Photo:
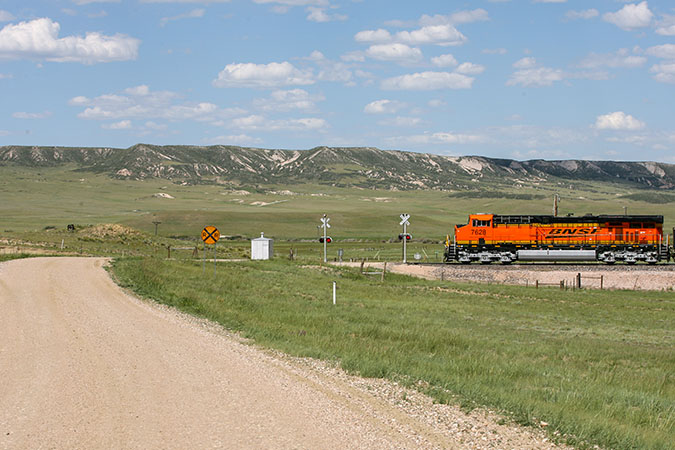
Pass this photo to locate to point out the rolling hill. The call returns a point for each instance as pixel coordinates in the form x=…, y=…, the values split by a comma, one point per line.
x=354, y=167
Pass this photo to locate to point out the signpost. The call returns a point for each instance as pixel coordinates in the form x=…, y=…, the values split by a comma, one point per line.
x=325, y=225
x=404, y=221
x=210, y=235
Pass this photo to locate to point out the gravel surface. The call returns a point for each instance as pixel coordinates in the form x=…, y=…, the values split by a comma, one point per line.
x=85, y=365
x=642, y=277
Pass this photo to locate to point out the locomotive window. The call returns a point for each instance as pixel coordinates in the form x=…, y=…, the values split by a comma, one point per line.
x=648, y=225
x=635, y=225
x=480, y=223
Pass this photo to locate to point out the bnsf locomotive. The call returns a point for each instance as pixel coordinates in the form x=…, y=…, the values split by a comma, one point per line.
x=490, y=237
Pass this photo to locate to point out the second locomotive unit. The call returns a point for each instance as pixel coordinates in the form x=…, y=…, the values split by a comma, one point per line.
x=490, y=238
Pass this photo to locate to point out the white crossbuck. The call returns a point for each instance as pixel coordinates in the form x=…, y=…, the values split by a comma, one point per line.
x=404, y=219
x=324, y=222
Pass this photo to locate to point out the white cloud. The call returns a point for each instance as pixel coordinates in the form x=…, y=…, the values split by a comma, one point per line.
x=121, y=125
x=394, y=52
x=525, y=63
x=542, y=76
x=460, y=17
x=618, y=121
x=446, y=60
x=383, y=107
x=630, y=16
x=262, y=75
x=665, y=73
x=443, y=35
x=530, y=75
x=425, y=81
x=332, y=70
x=27, y=115
x=287, y=100
x=373, y=36
x=666, y=51
x=320, y=15
x=666, y=26
x=583, y=14
x=194, y=14
x=468, y=68
x=621, y=58
x=257, y=122
x=38, y=39
x=6, y=16
x=141, y=103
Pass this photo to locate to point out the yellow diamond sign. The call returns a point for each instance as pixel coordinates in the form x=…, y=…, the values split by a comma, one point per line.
x=210, y=235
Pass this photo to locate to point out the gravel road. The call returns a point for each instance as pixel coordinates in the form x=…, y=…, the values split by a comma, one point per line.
x=639, y=277
x=85, y=365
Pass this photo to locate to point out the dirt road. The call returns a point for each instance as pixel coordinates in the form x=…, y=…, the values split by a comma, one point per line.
x=639, y=277
x=84, y=365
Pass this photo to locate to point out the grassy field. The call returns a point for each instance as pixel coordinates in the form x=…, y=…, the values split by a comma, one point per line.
x=38, y=198
x=596, y=365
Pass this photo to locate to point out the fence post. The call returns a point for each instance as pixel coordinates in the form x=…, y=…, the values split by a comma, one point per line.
x=579, y=280
x=168, y=248
x=601, y=281
x=362, y=261
x=536, y=284
x=562, y=285
x=384, y=270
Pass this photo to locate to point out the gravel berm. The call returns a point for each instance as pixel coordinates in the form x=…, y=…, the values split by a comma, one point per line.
x=85, y=365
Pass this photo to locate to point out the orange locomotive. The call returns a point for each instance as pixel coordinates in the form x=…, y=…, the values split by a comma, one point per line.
x=491, y=237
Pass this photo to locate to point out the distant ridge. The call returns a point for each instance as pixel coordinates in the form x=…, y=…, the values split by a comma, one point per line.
x=364, y=167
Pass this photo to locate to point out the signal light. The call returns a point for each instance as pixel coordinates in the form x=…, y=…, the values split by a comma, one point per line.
x=407, y=236
x=328, y=240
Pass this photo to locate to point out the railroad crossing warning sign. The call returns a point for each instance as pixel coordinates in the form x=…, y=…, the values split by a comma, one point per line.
x=404, y=219
x=210, y=235
x=324, y=222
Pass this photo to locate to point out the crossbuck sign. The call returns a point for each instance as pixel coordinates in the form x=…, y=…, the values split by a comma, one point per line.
x=404, y=221
x=325, y=225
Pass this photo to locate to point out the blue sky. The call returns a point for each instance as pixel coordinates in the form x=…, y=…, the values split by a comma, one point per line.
x=521, y=79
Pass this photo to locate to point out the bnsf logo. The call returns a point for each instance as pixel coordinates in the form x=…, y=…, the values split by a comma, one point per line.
x=571, y=232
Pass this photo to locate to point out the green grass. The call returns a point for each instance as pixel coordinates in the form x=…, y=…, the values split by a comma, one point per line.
x=85, y=198
x=596, y=365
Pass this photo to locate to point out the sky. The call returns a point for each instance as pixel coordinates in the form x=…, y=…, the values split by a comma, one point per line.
x=519, y=79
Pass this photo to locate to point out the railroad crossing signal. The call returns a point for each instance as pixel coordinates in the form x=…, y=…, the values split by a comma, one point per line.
x=210, y=235
x=325, y=239
x=405, y=236
x=404, y=219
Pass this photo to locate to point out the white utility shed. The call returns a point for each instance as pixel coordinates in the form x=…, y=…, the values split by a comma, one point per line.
x=262, y=247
